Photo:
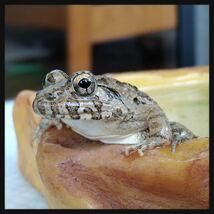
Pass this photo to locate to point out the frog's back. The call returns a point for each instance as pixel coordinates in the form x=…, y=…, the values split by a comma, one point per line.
x=130, y=94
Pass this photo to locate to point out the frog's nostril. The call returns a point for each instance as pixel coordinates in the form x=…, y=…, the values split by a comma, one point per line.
x=50, y=96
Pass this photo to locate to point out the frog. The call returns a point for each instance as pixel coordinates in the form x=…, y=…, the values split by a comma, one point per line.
x=104, y=109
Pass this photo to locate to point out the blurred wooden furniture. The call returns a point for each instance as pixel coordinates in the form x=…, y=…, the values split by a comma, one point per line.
x=87, y=25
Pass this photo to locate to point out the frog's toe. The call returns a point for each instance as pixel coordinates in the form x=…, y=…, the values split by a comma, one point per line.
x=140, y=148
x=58, y=125
x=128, y=150
x=173, y=148
x=140, y=152
x=174, y=145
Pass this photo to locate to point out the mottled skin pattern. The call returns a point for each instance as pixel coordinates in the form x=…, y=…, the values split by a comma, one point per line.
x=105, y=109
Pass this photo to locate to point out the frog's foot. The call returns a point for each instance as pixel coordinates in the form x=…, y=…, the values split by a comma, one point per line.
x=178, y=140
x=174, y=145
x=179, y=134
x=43, y=126
x=149, y=143
x=180, y=137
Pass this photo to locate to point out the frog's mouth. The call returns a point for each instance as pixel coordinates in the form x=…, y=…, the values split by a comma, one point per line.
x=73, y=109
x=38, y=108
x=55, y=109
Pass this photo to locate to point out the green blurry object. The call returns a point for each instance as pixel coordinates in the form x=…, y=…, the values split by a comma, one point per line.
x=22, y=75
x=15, y=69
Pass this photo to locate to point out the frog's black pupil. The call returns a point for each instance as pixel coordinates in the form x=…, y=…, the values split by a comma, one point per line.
x=84, y=83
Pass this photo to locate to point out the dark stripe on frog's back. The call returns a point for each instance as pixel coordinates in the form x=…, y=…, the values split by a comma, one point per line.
x=108, y=81
x=130, y=86
x=132, y=94
x=135, y=92
x=117, y=88
x=103, y=80
x=146, y=97
x=143, y=99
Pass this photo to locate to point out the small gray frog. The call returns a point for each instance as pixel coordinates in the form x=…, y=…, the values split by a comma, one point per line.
x=102, y=108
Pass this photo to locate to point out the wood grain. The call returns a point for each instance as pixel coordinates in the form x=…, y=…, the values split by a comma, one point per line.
x=79, y=45
x=122, y=21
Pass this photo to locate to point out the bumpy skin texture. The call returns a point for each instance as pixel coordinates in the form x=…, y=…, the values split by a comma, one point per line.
x=102, y=108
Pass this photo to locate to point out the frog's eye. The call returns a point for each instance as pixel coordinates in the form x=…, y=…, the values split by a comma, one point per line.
x=54, y=77
x=84, y=83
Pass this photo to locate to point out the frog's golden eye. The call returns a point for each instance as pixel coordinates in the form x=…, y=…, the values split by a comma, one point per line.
x=54, y=77
x=84, y=83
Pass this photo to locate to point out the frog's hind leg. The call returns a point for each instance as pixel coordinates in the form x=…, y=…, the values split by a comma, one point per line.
x=179, y=134
x=146, y=143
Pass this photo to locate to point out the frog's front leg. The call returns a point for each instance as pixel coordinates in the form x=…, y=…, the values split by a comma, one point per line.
x=159, y=133
x=43, y=126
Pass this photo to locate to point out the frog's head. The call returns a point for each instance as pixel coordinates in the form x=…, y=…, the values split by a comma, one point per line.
x=81, y=96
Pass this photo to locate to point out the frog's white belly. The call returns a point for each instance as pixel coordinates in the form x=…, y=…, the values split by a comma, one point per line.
x=127, y=139
x=98, y=130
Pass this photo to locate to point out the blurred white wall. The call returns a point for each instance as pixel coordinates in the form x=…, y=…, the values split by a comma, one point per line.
x=201, y=30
